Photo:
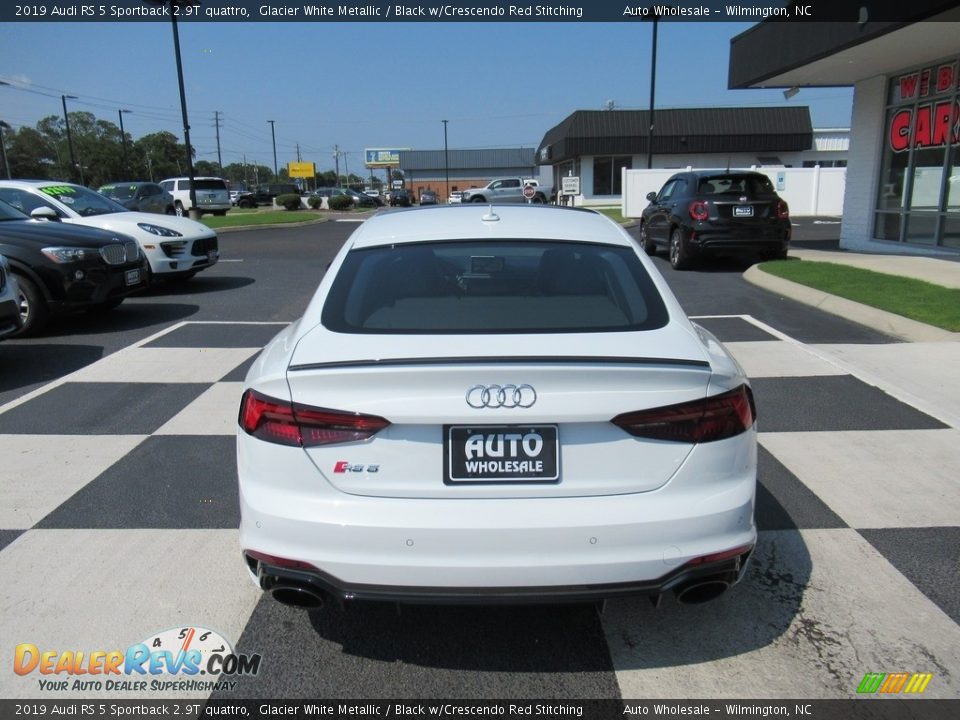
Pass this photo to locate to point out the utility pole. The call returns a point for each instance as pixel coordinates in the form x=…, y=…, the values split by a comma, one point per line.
x=66, y=121
x=216, y=120
x=3, y=148
x=446, y=160
x=298, y=153
x=123, y=138
x=276, y=175
x=336, y=160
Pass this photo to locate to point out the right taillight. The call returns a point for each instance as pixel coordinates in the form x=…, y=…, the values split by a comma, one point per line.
x=698, y=421
x=286, y=423
x=783, y=210
x=698, y=210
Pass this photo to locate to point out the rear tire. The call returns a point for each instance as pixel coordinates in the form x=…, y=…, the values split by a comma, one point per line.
x=648, y=245
x=178, y=209
x=679, y=254
x=34, y=312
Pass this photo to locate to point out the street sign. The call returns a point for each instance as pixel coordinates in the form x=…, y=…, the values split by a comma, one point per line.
x=570, y=186
x=529, y=191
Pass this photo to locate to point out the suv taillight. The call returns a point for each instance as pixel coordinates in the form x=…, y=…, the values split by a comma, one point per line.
x=285, y=423
x=713, y=418
x=698, y=210
x=783, y=210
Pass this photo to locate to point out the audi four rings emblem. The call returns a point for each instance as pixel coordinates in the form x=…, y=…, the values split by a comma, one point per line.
x=501, y=396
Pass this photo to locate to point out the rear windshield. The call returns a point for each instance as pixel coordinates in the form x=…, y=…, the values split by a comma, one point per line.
x=119, y=192
x=750, y=185
x=205, y=184
x=487, y=286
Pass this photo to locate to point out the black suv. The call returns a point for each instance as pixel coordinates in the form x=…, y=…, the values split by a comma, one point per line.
x=63, y=268
x=265, y=194
x=729, y=212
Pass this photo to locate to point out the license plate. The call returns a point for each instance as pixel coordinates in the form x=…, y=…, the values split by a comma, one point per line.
x=743, y=211
x=501, y=454
x=132, y=277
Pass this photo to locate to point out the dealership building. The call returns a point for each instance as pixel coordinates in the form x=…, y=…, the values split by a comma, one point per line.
x=430, y=169
x=903, y=167
x=596, y=145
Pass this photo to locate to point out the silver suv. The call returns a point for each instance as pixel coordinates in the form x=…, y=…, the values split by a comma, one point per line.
x=213, y=195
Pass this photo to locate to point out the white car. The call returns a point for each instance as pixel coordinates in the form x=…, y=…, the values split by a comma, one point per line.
x=175, y=247
x=495, y=405
x=456, y=196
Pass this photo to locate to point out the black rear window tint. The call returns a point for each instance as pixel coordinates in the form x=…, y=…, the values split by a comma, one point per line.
x=750, y=185
x=205, y=185
x=482, y=286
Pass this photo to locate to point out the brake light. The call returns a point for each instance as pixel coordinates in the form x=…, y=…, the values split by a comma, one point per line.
x=720, y=556
x=698, y=210
x=713, y=418
x=285, y=423
x=783, y=210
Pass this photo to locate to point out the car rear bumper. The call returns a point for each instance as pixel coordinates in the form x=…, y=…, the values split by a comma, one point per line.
x=764, y=239
x=506, y=549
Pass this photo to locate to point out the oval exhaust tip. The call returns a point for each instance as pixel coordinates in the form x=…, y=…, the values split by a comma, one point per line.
x=296, y=596
x=701, y=592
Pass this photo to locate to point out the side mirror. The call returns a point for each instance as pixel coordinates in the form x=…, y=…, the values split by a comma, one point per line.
x=651, y=196
x=45, y=213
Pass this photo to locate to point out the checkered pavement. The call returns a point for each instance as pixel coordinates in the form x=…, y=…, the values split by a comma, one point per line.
x=118, y=517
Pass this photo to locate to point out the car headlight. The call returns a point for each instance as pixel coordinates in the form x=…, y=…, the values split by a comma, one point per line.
x=159, y=230
x=69, y=254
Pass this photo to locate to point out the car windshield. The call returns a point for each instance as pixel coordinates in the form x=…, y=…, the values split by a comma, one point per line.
x=8, y=212
x=82, y=201
x=751, y=185
x=119, y=192
x=483, y=286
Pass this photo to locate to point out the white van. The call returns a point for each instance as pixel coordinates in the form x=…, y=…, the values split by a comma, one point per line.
x=213, y=195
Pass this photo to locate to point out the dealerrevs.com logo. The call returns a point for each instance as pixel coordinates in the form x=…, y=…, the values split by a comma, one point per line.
x=179, y=659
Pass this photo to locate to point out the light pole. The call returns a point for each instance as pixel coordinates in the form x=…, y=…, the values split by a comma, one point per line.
x=446, y=160
x=273, y=135
x=3, y=148
x=123, y=137
x=654, y=17
x=66, y=121
x=194, y=211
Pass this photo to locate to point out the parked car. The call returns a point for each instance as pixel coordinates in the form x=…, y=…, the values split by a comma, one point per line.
x=359, y=199
x=428, y=197
x=716, y=212
x=212, y=193
x=140, y=197
x=400, y=198
x=472, y=391
x=61, y=268
x=9, y=300
x=175, y=247
x=265, y=194
x=456, y=196
x=508, y=190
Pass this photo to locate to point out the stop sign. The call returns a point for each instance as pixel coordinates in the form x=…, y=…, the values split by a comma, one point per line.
x=529, y=191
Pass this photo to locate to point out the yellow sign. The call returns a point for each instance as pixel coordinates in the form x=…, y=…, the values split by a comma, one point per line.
x=301, y=169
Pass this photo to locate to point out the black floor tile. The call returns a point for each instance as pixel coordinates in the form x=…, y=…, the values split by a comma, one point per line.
x=8, y=536
x=785, y=503
x=734, y=329
x=217, y=335
x=837, y=402
x=175, y=481
x=100, y=408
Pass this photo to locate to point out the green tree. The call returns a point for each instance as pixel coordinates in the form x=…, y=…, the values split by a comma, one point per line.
x=159, y=155
x=32, y=155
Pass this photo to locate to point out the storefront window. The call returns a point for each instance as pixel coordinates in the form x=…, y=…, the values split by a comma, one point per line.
x=607, y=178
x=917, y=190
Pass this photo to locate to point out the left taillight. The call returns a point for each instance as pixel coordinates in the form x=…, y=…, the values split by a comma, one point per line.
x=783, y=210
x=297, y=425
x=699, y=421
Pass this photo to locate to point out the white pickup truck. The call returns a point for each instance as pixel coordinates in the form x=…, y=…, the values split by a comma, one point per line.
x=507, y=190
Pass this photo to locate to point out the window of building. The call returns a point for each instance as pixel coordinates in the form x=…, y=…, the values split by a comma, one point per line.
x=916, y=200
x=607, y=178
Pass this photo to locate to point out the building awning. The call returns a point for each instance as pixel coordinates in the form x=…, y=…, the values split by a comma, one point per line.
x=678, y=131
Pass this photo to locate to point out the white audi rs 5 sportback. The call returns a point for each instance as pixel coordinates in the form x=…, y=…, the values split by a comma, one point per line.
x=495, y=404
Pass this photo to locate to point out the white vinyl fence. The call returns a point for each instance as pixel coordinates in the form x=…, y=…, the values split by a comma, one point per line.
x=808, y=191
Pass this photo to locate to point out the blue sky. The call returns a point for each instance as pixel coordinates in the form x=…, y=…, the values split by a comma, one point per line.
x=370, y=84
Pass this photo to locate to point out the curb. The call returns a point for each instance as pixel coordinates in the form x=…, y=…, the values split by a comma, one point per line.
x=243, y=228
x=886, y=322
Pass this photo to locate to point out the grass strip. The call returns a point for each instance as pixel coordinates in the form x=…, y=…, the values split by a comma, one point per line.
x=239, y=218
x=613, y=213
x=915, y=299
